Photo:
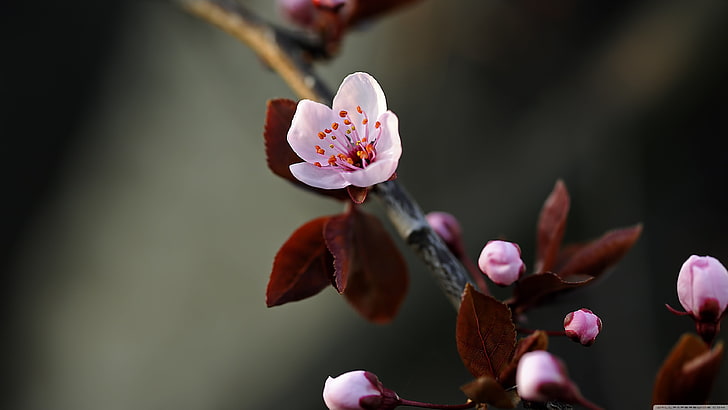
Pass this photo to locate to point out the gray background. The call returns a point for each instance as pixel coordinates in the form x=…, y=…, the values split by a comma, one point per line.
x=140, y=221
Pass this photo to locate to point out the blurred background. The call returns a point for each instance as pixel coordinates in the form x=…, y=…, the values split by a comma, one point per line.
x=139, y=220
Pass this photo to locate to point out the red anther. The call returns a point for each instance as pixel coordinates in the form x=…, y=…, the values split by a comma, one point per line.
x=358, y=109
x=377, y=124
x=370, y=148
x=335, y=125
x=319, y=150
x=365, y=139
x=343, y=113
x=350, y=161
x=321, y=135
x=364, y=121
x=318, y=164
x=328, y=131
x=332, y=160
x=347, y=122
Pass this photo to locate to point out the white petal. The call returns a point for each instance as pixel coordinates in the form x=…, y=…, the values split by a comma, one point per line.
x=379, y=171
x=389, y=145
x=310, y=119
x=326, y=178
x=363, y=90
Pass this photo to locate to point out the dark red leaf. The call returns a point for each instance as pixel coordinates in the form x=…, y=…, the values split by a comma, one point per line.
x=538, y=340
x=302, y=267
x=377, y=282
x=485, y=334
x=534, y=289
x=688, y=372
x=279, y=155
x=551, y=226
x=339, y=237
x=486, y=389
x=278, y=117
x=595, y=257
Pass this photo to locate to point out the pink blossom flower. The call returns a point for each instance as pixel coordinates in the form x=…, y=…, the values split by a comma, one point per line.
x=358, y=390
x=542, y=377
x=501, y=261
x=356, y=142
x=582, y=326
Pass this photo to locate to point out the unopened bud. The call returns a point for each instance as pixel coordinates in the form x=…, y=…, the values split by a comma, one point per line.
x=702, y=288
x=300, y=12
x=358, y=390
x=501, y=261
x=334, y=5
x=447, y=227
x=582, y=326
x=542, y=377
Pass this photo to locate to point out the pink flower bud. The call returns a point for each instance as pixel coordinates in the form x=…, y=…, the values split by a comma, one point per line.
x=542, y=377
x=358, y=390
x=300, y=12
x=330, y=4
x=582, y=326
x=702, y=287
x=448, y=229
x=501, y=261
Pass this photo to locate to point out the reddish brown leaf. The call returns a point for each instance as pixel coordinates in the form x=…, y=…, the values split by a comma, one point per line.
x=538, y=340
x=377, y=282
x=486, y=389
x=302, y=267
x=595, y=257
x=534, y=289
x=485, y=334
x=279, y=155
x=339, y=238
x=688, y=372
x=551, y=226
x=278, y=117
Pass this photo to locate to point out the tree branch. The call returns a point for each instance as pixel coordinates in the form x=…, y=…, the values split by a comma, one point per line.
x=288, y=57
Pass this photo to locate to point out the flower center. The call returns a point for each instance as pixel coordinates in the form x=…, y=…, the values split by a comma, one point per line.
x=343, y=146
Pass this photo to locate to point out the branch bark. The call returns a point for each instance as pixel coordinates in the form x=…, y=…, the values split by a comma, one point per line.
x=287, y=56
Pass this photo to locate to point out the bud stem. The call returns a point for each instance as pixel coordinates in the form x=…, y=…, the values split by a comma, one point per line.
x=468, y=405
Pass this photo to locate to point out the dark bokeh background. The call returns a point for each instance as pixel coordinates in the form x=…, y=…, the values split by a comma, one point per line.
x=139, y=221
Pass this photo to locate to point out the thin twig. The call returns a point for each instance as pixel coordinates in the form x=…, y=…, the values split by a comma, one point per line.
x=287, y=57
x=278, y=49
